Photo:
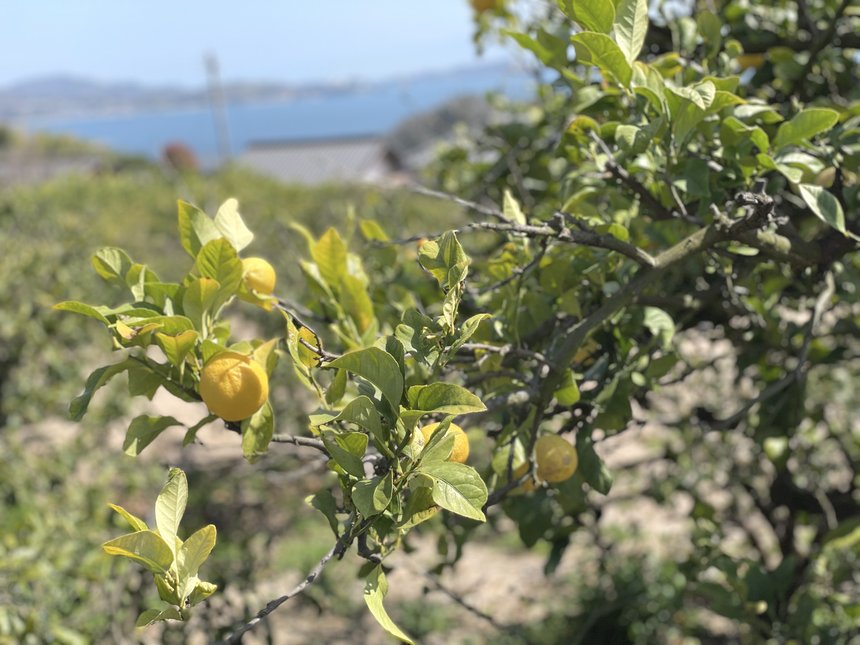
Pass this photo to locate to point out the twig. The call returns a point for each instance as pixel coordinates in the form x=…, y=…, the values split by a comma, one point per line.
x=337, y=550
x=583, y=237
x=319, y=351
x=465, y=604
x=505, y=350
x=308, y=442
x=465, y=203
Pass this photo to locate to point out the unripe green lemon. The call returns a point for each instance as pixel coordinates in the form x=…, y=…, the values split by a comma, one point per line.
x=460, y=451
x=233, y=386
x=556, y=459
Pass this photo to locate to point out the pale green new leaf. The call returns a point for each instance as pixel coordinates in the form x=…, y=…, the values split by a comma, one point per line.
x=151, y=616
x=512, y=209
x=330, y=255
x=805, y=125
x=591, y=15
x=231, y=225
x=660, y=324
x=631, y=25
x=170, y=506
x=134, y=522
x=824, y=205
x=194, y=552
x=218, y=260
x=83, y=309
x=375, y=589
x=196, y=228
x=146, y=547
x=601, y=51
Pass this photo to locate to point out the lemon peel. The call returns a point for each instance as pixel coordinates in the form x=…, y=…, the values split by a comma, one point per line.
x=258, y=275
x=556, y=459
x=460, y=452
x=233, y=385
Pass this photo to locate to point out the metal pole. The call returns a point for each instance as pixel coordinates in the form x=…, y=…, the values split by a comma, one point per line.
x=219, y=110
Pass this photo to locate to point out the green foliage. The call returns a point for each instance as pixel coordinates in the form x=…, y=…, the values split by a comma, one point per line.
x=173, y=562
x=658, y=196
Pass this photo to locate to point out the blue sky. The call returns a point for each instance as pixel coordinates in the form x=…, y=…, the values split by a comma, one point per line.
x=163, y=42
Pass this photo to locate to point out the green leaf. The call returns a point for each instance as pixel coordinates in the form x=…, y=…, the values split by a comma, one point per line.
x=356, y=302
x=660, y=324
x=170, y=506
x=143, y=430
x=375, y=589
x=194, y=552
x=824, y=205
x=549, y=49
x=372, y=496
x=229, y=223
x=99, y=378
x=377, y=366
x=326, y=504
x=568, y=392
x=346, y=450
x=83, y=309
x=112, y=264
x=257, y=433
x=591, y=467
x=631, y=25
x=601, y=51
x=151, y=616
x=330, y=255
x=805, y=125
x=196, y=228
x=359, y=411
x=445, y=260
x=218, y=260
x=176, y=348
x=591, y=15
x=457, y=488
x=143, y=382
x=794, y=175
x=512, y=209
x=444, y=398
x=199, y=299
x=146, y=547
x=202, y=590
x=134, y=522
x=467, y=330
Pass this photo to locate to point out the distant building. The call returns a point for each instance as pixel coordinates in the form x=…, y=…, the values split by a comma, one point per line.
x=361, y=159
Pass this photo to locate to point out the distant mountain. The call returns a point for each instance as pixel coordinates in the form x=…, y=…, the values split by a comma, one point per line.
x=61, y=95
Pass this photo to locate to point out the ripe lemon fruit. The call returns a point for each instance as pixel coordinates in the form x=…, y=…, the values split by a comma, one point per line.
x=258, y=275
x=460, y=452
x=233, y=386
x=556, y=459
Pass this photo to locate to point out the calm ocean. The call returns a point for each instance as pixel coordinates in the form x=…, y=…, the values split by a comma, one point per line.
x=374, y=111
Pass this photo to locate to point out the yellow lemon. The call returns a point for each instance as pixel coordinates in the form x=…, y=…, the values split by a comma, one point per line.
x=233, y=385
x=460, y=453
x=556, y=459
x=258, y=275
